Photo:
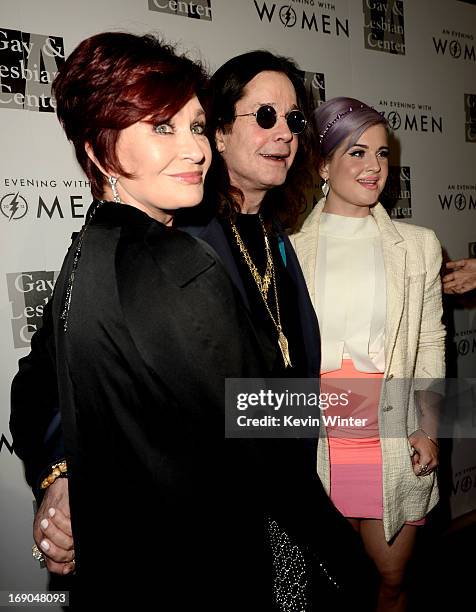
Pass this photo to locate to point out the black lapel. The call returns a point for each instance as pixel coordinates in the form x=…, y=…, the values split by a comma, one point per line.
x=309, y=324
x=213, y=234
x=185, y=258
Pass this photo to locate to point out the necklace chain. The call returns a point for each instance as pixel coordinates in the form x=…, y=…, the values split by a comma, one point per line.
x=263, y=282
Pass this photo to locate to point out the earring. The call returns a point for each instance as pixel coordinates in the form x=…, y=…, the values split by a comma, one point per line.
x=113, y=181
x=325, y=188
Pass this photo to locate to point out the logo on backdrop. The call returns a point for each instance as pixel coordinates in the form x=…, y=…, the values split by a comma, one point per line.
x=472, y=249
x=315, y=85
x=384, y=28
x=465, y=480
x=195, y=9
x=28, y=293
x=309, y=15
x=456, y=45
x=458, y=197
x=470, y=117
x=13, y=206
x=411, y=117
x=28, y=65
x=288, y=16
x=47, y=203
x=465, y=341
x=6, y=444
x=397, y=195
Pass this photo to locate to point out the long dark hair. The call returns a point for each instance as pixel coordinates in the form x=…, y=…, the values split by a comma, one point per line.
x=226, y=89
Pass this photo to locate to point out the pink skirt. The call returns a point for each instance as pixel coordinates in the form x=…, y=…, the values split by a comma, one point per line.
x=355, y=453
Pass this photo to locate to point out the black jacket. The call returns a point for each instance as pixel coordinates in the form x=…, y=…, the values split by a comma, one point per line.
x=153, y=329
x=142, y=415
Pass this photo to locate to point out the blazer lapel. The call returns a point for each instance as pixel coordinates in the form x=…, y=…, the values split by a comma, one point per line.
x=306, y=247
x=394, y=256
x=213, y=234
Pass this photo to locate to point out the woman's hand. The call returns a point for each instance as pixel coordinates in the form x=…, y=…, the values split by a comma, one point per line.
x=463, y=277
x=425, y=457
x=52, y=528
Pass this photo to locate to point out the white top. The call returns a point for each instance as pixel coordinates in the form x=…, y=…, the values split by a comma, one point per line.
x=350, y=293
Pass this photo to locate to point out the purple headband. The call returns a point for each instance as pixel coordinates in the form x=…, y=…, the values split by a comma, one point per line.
x=336, y=118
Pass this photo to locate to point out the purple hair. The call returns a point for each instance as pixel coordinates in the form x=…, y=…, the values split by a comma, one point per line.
x=341, y=119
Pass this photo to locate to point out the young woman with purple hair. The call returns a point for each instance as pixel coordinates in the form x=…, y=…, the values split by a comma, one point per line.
x=376, y=288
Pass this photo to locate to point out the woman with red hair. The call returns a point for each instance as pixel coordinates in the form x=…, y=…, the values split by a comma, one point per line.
x=145, y=328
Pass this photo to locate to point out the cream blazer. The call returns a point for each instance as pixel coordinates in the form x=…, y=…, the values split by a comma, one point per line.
x=414, y=349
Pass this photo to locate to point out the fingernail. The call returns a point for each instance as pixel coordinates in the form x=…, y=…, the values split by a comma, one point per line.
x=44, y=523
x=51, y=512
x=44, y=545
x=66, y=570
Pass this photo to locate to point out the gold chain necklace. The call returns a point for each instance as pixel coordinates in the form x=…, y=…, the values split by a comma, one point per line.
x=263, y=282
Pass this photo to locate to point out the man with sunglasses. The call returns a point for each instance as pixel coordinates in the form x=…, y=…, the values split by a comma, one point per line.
x=263, y=150
x=255, y=188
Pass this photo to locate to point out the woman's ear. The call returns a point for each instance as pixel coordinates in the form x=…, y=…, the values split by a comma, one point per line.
x=90, y=153
x=324, y=169
x=220, y=141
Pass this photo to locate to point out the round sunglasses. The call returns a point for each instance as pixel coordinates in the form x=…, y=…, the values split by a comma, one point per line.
x=266, y=117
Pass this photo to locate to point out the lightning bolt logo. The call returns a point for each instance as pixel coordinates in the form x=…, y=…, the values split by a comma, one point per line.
x=287, y=16
x=13, y=206
x=455, y=49
x=460, y=201
x=394, y=120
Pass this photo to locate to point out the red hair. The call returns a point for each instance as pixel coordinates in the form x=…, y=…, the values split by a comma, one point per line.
x=111, y=81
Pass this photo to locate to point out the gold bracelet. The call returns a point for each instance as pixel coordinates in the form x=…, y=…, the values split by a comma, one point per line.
x=58, y=470
x=430, y=438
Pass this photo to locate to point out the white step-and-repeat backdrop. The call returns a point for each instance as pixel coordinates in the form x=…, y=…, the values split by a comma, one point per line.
x=414, y=60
